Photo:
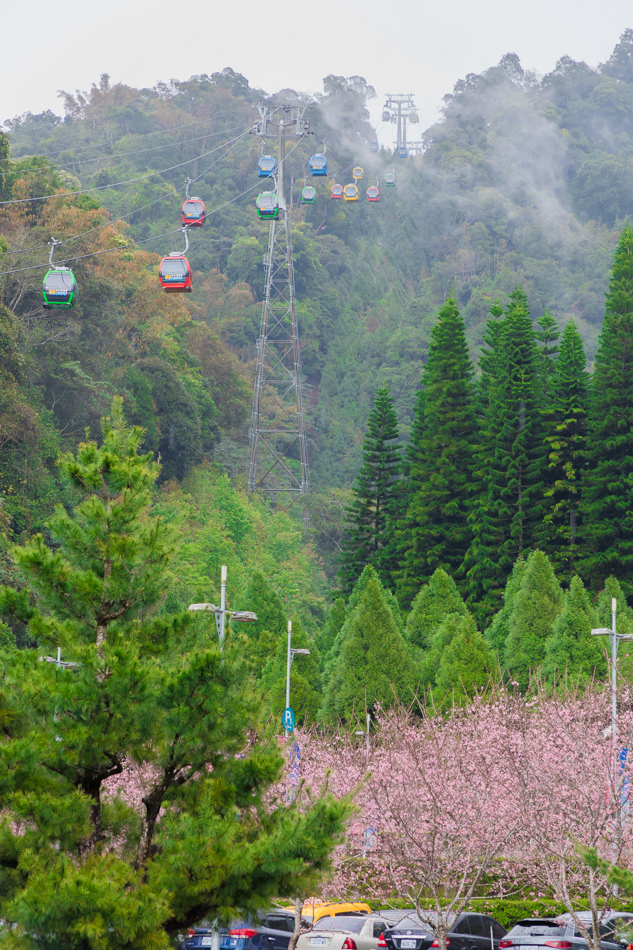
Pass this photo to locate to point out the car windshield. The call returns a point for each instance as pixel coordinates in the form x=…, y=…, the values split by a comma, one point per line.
x=352, y=924
x=60, y=282
x=412, y=921
x=538, y=928
x=173, y=268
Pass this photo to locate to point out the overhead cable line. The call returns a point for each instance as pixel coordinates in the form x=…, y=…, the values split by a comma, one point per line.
x=127, y=181
x=121, y=217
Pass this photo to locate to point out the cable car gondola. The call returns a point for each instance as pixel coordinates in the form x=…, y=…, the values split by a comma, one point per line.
x=267, y=205
x=350, y=192
x=337, y=191
x=403, y=151
x=357, y=173
x=266, y=166
x=193, y=213
x=308, y=195
x=373, y=146
x=174, y=274
x=373, y=193
x=390, y=179
x=58, y=288
x=59, y=285
x=318, y=165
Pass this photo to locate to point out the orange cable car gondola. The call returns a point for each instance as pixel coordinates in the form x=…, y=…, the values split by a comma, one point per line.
x=174, y=272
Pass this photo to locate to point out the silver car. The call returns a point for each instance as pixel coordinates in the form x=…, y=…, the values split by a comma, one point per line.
x=350, y=933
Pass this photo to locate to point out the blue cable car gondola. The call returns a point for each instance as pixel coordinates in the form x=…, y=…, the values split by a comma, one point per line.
x=373, y=146
x=337, y=191
x=318, y=165
x=266, y=166
x=373, y=193
x=390, y=179
x=403, y=151
x=308, y=195
x=267, y=205
x=350, y=192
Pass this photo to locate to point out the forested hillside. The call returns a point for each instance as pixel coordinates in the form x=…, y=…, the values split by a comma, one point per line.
x=513, y=210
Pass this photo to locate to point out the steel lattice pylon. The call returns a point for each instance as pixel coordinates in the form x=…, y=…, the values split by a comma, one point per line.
x=278, y=459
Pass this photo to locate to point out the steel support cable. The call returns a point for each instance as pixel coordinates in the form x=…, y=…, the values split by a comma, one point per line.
x=121, y=217
x=123, y=247
x=128, y=181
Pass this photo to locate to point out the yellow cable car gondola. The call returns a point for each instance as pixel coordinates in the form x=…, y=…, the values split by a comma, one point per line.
x=350, y=192
x=358, y=173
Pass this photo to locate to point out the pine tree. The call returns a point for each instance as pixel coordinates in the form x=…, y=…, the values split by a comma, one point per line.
x=538, y=603
x=566, y=433
x=510, y=464
x=498, y=631
x=571, y=650
x=369, y=515
x=374, y=664
x=435, y=531
x=547, y=336
x=262, y=637
x=430, y=607
x=150, y=695
x=467, y=665
x=607, y=500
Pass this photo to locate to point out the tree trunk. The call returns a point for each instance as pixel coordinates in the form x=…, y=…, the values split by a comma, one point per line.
x=296, y=933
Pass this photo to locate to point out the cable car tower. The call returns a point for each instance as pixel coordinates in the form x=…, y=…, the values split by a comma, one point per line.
x=277, y=456
x=399, y=108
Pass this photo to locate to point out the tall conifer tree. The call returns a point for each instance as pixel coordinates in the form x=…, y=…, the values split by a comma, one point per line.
x=369, y=516
x=607, y=502
x=511, y=460
x=565, y=436
x=435, y=531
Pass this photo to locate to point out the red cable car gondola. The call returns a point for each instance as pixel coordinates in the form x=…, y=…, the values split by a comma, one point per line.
x=174, y=274
x=373, y=194
x=193, y=212
x=337, y=191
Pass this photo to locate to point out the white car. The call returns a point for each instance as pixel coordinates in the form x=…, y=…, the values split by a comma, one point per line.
x=350, y=933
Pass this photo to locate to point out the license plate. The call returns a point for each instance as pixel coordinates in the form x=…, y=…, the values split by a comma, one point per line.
x=207, y=941
x=408, y=944
x=318, y=941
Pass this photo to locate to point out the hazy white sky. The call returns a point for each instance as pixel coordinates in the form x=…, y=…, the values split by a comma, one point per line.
x=412, y=46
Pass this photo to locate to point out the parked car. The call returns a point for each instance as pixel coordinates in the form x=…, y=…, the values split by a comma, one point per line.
x=267, y=931
x=314, y=910
x=562, y=933
x=358, y=932
x=467, y=932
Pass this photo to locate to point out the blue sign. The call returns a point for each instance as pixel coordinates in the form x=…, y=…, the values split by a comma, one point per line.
x=288, y=719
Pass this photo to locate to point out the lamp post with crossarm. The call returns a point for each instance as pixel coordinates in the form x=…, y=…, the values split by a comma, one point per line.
x=292, y=653
x=221, y=613
x=615, y=640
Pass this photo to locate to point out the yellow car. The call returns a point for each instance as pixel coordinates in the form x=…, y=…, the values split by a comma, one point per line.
x=314, y=910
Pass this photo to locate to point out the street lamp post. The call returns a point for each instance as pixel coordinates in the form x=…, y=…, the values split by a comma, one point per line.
x=221, y=613
x=615, y=641
x=290, y=657
x=365, y=732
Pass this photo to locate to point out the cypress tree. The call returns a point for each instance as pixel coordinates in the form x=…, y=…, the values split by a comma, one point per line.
x=466, y=666
x=566, y=434
x=435, y=531
x=511, y=462
x=374, y=493
x=538, y=603
x=571, y=650
x=498, y=631
x=431, y=605
x=374, y=663
x=607, y=503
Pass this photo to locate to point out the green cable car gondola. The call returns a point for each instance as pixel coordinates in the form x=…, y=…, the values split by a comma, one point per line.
x=59, y=288
x=308, y=195
x=390, y=179
x=267, y=205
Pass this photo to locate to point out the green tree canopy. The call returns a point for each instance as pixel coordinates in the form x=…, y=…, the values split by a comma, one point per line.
x=430, y=607
x=571, y=650
x=466, y=666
